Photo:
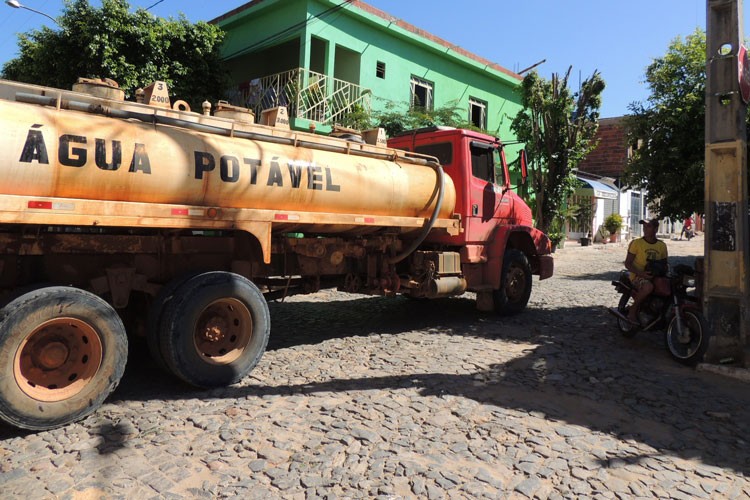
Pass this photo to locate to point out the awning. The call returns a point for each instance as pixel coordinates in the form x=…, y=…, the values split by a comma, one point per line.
x=601, y=190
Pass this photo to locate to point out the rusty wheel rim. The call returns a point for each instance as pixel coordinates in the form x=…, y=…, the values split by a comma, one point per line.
x=58, y=359
x=223, y=331
x=515, y=284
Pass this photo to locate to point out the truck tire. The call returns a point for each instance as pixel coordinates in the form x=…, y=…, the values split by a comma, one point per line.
x=62, y=352
x=155, y=315
x=215, y=329
x=515, y=284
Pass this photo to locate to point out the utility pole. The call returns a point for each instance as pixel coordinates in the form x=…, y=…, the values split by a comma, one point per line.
x=727, y=236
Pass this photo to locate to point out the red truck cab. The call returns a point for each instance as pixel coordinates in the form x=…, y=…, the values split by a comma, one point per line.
x=494, y=218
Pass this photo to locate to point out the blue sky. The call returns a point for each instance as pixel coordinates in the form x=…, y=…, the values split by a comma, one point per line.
x=618, y=38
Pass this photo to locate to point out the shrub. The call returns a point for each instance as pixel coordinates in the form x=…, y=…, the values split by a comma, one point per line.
x=613, y=223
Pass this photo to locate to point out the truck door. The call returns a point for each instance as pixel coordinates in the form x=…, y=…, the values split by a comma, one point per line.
x=488, y=204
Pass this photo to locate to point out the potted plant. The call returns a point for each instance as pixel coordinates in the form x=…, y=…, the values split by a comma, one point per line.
x=557, y=240
x=584, y=216
x=556, y=232
x=613, y=224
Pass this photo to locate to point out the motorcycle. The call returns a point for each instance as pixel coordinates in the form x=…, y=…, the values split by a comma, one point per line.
x=686, y=336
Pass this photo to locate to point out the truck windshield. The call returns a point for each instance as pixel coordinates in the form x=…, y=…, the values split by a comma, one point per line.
x=443, y=151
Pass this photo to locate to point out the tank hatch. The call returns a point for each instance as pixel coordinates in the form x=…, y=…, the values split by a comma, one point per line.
x=97, y=87
x=226, y=110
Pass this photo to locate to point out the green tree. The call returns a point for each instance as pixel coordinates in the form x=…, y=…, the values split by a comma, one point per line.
x=395, y=120
x=133, y=48
x=669, y=130
x=558, y=127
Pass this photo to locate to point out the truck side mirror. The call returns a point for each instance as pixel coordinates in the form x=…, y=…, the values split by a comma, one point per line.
x=524, y=167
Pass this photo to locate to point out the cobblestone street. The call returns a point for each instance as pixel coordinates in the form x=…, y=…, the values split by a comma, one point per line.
x=369, y=397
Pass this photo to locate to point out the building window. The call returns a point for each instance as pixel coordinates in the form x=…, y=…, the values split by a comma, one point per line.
x=478, y=113
x=421, y=93
x=380, y=69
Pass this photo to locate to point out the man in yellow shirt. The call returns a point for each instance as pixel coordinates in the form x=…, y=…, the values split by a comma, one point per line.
x=640, y=252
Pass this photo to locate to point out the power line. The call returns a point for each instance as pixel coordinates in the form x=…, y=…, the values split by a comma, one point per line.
x=277, y=36
x=154, y=5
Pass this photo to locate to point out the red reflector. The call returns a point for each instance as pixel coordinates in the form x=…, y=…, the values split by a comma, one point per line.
x=282, y=217
x=47, y=205
x=179, y=211
x=369, y=220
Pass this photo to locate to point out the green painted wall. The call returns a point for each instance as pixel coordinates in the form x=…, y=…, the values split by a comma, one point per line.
x=455, y=77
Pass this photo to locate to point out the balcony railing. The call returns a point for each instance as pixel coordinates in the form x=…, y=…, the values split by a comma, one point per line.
x=306, y=94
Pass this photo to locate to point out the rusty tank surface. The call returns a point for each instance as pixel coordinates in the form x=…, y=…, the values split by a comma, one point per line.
x=66, y=145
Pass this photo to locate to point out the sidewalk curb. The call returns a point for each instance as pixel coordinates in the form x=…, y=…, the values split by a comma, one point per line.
x=741, y=374
x=572, y=245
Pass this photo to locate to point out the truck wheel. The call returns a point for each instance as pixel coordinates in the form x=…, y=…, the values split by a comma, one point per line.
x=515, y=284
x=155, y=314
x=62, y=352
x=215, y=330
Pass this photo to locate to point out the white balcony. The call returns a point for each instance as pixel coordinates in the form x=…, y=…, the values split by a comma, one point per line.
x=306, y=94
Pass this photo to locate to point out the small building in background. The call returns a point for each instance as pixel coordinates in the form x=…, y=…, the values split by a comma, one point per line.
x=605, y=166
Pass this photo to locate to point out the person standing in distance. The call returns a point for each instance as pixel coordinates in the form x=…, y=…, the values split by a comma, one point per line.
x=640, y=252
x=687, y=228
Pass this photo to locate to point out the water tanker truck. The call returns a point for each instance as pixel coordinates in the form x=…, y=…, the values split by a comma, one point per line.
x=182, y=225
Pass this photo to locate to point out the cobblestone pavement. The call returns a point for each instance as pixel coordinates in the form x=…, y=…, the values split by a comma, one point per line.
x=362, y=397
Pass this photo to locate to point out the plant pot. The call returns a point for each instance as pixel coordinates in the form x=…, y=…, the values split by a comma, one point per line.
x=613, y=238
x=585, y=241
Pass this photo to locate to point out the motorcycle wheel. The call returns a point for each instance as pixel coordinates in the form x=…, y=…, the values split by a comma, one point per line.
x=690, y=349
x=626, y=328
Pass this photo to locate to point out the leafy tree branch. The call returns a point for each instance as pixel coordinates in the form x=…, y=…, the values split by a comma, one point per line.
x=558, y=127
x=133, y=48
x=668, y=130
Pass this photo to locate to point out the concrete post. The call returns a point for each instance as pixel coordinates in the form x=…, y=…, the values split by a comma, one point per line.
x=330, y=63
x=330, y=71
x=297, y=108
x=726, y=280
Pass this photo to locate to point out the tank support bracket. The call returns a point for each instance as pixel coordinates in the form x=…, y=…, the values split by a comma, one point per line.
x=262, y=232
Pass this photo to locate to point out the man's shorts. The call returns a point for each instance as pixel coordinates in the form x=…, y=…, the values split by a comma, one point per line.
x=638, y=282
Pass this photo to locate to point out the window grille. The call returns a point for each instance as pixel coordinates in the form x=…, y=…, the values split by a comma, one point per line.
x=478, y=113
x=421, y=93
x=380, y=69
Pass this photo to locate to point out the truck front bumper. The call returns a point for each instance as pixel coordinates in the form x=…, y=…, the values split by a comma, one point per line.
x=545, y=266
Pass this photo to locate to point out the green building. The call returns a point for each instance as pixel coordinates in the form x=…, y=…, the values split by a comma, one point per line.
x=324, y=58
